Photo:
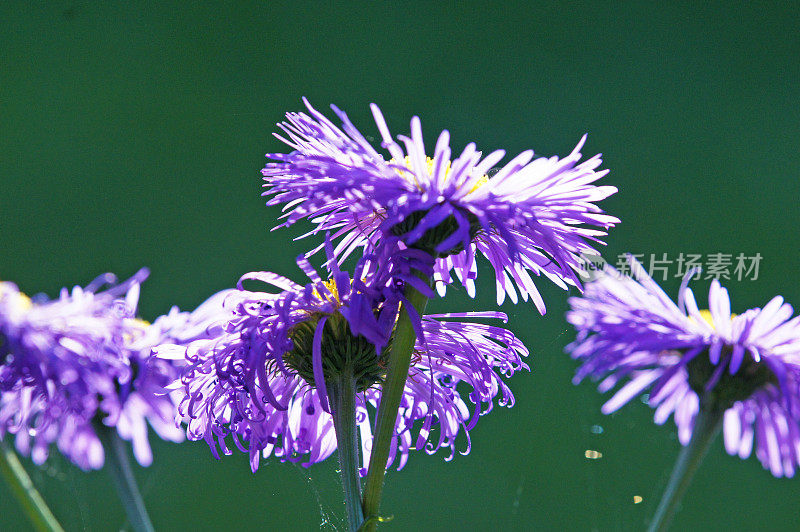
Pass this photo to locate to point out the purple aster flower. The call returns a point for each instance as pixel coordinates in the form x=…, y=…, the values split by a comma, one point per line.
x=81, y=360
x=530, y=215
x=747, y=365
x=260, y=378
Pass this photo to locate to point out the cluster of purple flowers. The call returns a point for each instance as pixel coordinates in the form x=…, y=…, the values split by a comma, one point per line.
x=259, y=377
x=289, y=371
x=253, y=367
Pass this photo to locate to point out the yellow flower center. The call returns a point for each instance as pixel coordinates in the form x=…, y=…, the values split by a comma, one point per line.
x=706, y=314
x=333, y=297
x=409, y=176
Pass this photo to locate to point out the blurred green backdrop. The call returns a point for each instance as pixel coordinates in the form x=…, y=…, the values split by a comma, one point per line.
x=132, y=134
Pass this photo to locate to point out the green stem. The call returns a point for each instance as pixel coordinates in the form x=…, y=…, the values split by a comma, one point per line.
x=399, y=360
x=120, y=469
x=23, y=488
x=706, y=426
x=342, y=393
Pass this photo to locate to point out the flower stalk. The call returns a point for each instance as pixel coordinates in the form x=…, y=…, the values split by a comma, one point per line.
x=342, y=394
x=399, y=360
x=124, y=480
x=706, y=427
x=22, y=486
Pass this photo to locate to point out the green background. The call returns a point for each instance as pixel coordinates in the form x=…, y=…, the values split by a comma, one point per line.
x=132, y=134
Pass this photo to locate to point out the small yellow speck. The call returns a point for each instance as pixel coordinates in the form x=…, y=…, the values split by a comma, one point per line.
x=591, y=454
x=479, y=183
x=22, y=300
x=637, y=499
x=138, y=327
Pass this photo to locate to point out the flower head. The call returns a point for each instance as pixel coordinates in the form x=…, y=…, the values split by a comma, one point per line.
x=261, y=377
x=747, y=365
x=530, y=215
x=75, y=363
